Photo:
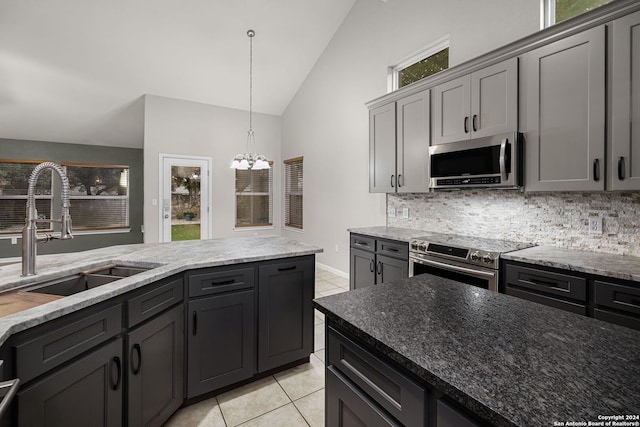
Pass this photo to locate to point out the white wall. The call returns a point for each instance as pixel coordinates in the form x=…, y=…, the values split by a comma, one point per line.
x=173, y=126
x=327, y=120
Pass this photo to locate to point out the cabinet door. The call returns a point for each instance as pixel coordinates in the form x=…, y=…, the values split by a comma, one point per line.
x=452, y=102
x=413, y=143
x=87, y=392
x=220, y=341
x=348, y=406
x=155, y=369
x=285, y=313
x=390, y=269
x=566, y=114
x=494, y=99
x=382, y=149
x=448, y=416
x=362, y=269
x=624, y=167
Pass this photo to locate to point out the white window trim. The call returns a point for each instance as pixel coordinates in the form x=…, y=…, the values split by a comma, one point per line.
x=547, y=13
x=258, y=193
x=437, y=46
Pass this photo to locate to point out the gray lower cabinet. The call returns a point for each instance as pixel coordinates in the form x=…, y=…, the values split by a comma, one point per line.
x=87, y=392
x=375, y=261
x=612, y=300
x=624, y=163
x=155, y=374
x=285, y=312
x=565, y=114
x=221, y=341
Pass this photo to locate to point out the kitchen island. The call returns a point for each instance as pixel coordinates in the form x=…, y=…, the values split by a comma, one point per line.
x=192, y=318
x=479, y=357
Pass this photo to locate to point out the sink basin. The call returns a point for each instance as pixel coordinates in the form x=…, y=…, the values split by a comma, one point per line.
x=83, y=281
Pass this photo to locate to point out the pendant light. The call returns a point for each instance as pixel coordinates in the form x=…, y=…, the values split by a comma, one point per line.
x=248, y=160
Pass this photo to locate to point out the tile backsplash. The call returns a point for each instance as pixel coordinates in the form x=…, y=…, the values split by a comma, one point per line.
x=553, y=219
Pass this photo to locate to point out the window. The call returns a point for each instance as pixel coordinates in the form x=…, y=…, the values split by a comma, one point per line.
x=254, y=197
x=99, y=196
x=426, y=63
x=293, y=186
x=555, y=11
x=14, y=183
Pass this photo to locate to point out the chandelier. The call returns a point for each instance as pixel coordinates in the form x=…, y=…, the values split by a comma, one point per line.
x=248, y=160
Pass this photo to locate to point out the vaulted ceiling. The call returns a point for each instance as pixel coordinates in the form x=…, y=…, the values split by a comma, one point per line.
x=76, y=70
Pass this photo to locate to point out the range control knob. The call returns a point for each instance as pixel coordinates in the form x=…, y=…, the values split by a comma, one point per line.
x=423, y=246
x=414, y=245
x=475, y=256
x=487, y=259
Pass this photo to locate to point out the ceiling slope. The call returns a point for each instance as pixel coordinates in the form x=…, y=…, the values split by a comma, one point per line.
x=76, y=70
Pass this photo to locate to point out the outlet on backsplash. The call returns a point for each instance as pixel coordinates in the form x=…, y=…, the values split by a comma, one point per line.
x=595, y=225
x=391, y=212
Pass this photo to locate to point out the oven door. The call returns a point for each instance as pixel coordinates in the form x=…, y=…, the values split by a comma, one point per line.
x=486, y=278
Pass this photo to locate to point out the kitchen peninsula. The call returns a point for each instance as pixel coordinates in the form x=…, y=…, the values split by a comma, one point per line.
x=430, y=351
x=197, y=317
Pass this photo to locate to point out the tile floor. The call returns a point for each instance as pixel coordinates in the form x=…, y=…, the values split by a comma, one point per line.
x=294, y=397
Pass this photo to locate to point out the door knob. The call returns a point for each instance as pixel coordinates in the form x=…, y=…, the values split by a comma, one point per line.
x=166, y=216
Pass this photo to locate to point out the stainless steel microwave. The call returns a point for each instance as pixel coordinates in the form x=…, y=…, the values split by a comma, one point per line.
x=493, y=161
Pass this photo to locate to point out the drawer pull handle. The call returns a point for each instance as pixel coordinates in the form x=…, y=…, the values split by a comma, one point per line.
x=138, y=350
x=223, y=282
x=8, y=390
x=540, y=282
x=371, y=384
x=195, y=322
x=392, y=249
x=293, y=267
x=116, y=384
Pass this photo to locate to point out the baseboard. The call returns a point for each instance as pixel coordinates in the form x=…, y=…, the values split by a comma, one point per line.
x=332, y=270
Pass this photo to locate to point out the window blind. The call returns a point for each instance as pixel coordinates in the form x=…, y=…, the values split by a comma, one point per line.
x=14, y=183
x=254, y=201
x=293, y=193
x=99, y=196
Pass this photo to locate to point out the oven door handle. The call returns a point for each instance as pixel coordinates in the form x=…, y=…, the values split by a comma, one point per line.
x=454, y=268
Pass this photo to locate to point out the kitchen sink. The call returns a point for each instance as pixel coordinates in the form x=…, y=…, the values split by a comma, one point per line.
x=83, y=281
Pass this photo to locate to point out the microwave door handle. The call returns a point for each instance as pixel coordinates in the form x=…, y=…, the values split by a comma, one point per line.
x=503, y=159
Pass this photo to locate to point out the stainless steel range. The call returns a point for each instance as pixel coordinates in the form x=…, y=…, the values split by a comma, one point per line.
x=470, y=260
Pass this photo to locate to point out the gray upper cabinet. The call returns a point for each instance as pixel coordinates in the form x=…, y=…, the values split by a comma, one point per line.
x=382, y=149
x=565, y=102
x=413, y=143
x=624, y=165
x=479, y=104
x=398, y=144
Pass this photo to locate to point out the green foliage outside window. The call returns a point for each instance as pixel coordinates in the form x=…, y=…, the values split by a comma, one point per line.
x=428, y=66
x=566, y=9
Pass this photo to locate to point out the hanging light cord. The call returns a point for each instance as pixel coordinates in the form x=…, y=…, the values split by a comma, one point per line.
x=251, y=34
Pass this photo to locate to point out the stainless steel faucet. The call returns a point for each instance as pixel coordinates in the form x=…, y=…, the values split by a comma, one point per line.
x=30, y=237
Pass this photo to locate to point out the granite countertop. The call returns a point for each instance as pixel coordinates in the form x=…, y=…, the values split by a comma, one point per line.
x=163, y=259
x=392, y=233
x=610, y=265
x=510, y=361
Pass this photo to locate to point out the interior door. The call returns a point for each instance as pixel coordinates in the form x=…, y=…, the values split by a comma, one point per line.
x=184, y=206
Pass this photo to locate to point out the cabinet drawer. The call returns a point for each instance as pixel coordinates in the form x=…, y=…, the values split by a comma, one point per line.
x=617, y=318
x=218, y=280
x=392, y=390
x=363, y=242
x=547, y=282
x=392, y=248
x=549, y=301
x=620, y=297
x=158, y=298
x=349, y=406
x=74, y=335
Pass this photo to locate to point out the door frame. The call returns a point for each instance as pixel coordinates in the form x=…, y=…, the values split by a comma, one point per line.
x=205, y=190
